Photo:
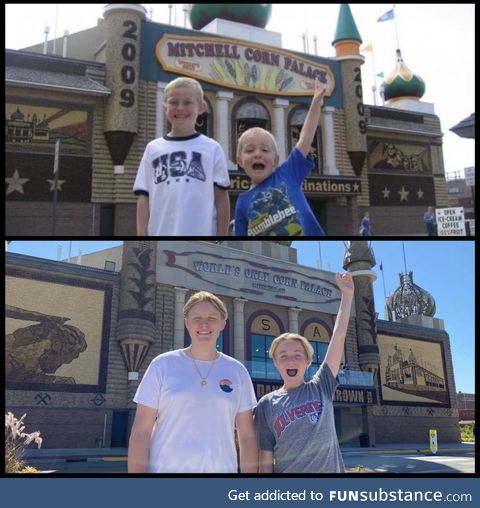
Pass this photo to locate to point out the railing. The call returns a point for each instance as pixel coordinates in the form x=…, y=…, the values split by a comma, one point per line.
x=355, y=377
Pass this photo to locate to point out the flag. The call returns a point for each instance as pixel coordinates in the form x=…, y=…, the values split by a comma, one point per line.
x=368, y=47
x=380, y=75
x=387, y=16
x=381, y=265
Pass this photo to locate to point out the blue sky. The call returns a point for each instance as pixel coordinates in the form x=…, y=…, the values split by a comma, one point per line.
x=445, y=269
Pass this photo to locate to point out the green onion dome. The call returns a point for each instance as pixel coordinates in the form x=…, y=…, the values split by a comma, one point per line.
x=402, y=82
x=249, y=14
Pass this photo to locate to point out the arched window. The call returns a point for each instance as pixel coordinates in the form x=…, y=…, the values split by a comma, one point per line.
x=295, y=122
x=204, y=122
x=248, y=113
x=263, y=327
x=318, y=334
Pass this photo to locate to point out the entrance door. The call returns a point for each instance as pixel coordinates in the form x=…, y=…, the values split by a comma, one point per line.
x=119, y=429
x=319, y=208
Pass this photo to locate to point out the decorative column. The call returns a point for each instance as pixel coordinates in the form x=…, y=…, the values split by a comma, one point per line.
x=293, y=313
x=222, y=123
x=279, y=106
x=239, y=328
x=122, y=68
x=329, y=141
x=179, y=326
x=160, y=111
x=136, y=316
x=359, y=261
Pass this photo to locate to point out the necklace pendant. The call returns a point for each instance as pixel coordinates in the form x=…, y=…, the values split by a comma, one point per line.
x=204, y=382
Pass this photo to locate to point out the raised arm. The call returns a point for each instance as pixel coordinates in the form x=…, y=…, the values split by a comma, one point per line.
x=311, y=121
x=334, y=353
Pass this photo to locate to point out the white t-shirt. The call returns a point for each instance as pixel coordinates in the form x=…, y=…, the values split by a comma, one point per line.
x=194, y=431
x=178, y=175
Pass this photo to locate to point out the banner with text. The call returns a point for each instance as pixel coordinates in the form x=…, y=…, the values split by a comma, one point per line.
x=242, y=65
x=451, y=221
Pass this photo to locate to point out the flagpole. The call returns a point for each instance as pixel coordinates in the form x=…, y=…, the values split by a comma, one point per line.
x=55, y=183
x=383, y=280
x=369, y=48
x=404, y=257
x=396, y=26
x=374, y=86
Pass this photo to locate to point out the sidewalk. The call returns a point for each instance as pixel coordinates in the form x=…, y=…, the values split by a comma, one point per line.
x=114, y=454
x=76, y=454
x=408, y=448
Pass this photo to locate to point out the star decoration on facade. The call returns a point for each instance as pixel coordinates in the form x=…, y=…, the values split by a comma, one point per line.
x=403, y=194
x=420, y=193
x=15, y=183
x=356, y=187
x=386, y=193
x=52, y=185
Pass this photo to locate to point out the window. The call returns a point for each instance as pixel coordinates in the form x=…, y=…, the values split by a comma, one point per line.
x=248, y=113
x=110, y=266
x=262, y=365
x=204, y=122
x=296, y=121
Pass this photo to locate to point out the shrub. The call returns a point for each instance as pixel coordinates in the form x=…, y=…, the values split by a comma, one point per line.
x=467, y=433
x=15, y=442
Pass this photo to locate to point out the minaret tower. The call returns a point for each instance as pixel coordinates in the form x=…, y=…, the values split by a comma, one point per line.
x=122, y=62
x=359, y=261
x=347, y=43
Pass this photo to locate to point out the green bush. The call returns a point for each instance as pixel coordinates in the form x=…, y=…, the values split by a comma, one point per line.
x=466, y=432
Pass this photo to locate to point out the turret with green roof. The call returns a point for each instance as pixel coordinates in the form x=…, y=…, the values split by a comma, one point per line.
x=346, y=27
x=347, y=43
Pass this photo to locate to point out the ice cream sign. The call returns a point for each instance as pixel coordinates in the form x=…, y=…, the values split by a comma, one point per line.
x=241, y=65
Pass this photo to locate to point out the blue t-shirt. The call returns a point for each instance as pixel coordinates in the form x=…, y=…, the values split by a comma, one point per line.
x=278, y=206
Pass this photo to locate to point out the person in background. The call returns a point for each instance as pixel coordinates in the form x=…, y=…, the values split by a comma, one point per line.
x=429, y=219
x=365, y=225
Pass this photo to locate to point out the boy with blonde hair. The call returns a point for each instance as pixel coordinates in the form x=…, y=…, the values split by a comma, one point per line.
x=275, y=204
x=182, y=181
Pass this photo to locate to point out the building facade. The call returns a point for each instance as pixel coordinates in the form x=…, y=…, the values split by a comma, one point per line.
x=79, y=338
x=104, y=102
